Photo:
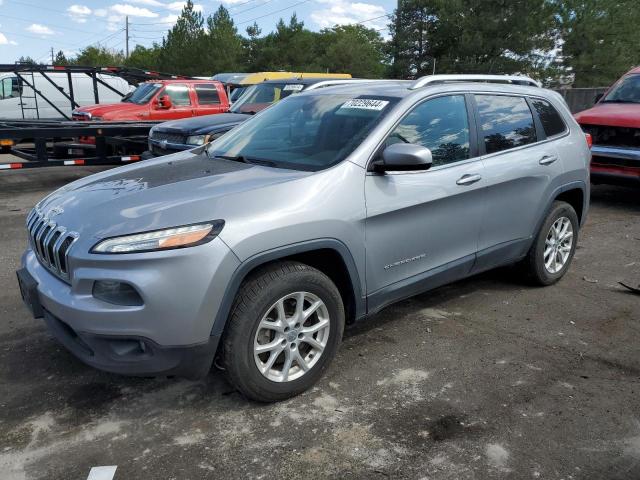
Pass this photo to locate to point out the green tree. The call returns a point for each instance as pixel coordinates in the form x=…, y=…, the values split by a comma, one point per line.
x=472, y=36
x=182, y=49
x=60, y=59
x=601, y=39
x=143, y=57
x=223, y=50
x=353, y=49
x=252, y=47
x=93, y=56
x=291, y=47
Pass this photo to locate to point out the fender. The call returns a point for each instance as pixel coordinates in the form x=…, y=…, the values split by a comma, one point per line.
x=281, y=252
x=561, y=189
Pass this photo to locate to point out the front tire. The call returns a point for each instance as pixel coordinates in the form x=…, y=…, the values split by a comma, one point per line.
x=284, y=329
x=554, y=246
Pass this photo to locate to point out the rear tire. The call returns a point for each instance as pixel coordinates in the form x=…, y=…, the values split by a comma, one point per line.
x=287, y=317
x=554, y=246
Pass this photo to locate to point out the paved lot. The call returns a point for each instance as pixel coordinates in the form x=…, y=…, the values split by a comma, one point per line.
x=486, y=378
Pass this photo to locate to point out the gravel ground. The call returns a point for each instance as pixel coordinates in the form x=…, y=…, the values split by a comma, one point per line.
x=486, y=378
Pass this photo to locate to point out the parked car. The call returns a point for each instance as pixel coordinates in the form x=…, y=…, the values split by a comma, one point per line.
x=614, y=125
x=17, y=99
x=238, y=83
x=177, y=135
x=162, y=100
x=318, y=212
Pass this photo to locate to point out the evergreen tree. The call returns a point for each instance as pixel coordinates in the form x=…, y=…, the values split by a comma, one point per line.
x=60, y=59
x=182, y=49
x=472, y=36
x=252, y=47
x=601, y=39
x=353, y=49
x=223, y=48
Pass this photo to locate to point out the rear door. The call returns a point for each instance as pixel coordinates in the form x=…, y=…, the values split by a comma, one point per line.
x=425, y=224
x=522, y=168
x=208, y=99
x=182, y=103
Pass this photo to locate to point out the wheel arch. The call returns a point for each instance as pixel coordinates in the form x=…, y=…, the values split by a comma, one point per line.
x=330, y=256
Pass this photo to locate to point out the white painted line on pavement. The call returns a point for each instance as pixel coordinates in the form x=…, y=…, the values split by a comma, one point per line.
x=102, y=473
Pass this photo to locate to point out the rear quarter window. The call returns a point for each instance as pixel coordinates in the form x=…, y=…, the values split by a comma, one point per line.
x=506, y=122
x=551, y=120
x=207, y=94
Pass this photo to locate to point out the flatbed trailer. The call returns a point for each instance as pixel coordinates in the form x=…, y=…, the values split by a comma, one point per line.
x=53, y=142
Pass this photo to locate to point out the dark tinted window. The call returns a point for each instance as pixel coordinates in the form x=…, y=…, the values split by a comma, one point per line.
x=506, y=122
x=207, y=94
x=549, y=117
x=441, y=125
x=179, y=94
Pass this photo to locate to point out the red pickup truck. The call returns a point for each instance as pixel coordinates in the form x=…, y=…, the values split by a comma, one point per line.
x=614, y=125
x=162, y=100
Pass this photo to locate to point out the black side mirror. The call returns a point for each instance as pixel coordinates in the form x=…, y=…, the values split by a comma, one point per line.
x=598, y=97
x=404, y=157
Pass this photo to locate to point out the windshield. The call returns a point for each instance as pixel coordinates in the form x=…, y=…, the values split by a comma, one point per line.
x=306, y=132
x=260, y=96
x=236, y=93
x=143, y=93
x=626, y=90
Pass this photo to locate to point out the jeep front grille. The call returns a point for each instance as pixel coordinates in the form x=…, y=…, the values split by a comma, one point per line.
x=51, y=243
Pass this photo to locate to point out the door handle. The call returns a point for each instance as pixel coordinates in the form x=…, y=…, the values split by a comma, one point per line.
x=469, y=179
x=548, y=159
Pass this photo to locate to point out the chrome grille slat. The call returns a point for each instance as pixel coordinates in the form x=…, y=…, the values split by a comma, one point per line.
x=51, y=243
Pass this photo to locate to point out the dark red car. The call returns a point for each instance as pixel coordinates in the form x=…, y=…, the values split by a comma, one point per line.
x=614, y=125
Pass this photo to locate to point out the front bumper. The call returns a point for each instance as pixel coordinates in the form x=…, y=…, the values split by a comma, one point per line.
x=170, y=334
x=615, y=165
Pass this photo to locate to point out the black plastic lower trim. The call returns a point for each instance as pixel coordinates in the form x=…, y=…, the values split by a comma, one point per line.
x=132, y=355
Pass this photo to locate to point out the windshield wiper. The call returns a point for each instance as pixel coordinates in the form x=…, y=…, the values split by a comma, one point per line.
x=620, y=101
x=243, y=159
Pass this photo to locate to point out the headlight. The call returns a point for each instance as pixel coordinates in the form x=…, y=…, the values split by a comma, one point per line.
x=176, y=237
x=197, y=140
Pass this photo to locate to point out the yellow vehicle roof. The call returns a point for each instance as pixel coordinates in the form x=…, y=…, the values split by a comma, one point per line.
x=253, y=78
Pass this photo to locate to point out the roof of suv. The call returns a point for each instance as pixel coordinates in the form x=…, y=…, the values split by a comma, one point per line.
x=402, y=88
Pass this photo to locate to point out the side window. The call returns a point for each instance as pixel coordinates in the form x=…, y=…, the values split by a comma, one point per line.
x=441, y=125
x=207, y=94
x=551, y=120
x=178, y=93
x=9, y=88
x=506, y=122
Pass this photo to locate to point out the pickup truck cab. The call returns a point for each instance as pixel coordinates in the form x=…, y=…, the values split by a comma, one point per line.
x=614, y=125
x=162, y=100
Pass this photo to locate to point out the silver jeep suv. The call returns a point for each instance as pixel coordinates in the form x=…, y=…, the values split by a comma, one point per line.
x=258, y=248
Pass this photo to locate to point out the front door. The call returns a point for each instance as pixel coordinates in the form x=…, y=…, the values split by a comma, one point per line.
x=422, y=227
x=181, y=103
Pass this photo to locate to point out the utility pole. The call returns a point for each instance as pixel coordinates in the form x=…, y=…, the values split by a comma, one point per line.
x=51, y=55
x=126, y=37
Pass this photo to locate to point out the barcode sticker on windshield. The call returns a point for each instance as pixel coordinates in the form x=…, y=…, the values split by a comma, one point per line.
x=294, y=87
x=365, y=104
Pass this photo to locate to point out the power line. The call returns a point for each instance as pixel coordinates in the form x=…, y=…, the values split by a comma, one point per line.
x=273, y=13
x=251, y=8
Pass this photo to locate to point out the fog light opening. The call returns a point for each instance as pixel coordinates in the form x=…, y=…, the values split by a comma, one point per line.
x=116, y=293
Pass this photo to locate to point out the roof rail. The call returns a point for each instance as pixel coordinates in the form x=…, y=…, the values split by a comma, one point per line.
x=434, y=79
x=330, y=83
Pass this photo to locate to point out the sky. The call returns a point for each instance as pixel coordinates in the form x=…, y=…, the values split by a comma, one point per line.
x=32, y=27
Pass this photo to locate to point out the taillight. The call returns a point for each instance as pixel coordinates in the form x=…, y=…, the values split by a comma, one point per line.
x=589, y=139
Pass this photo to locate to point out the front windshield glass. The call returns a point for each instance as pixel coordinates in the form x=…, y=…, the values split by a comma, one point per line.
x=626, y=90
x=260, y=96
x=236, y=93
x=143, y=93
x=306, y=132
